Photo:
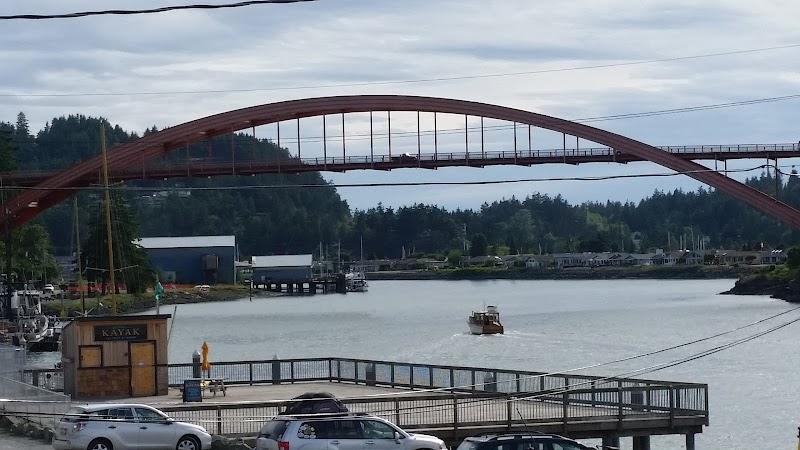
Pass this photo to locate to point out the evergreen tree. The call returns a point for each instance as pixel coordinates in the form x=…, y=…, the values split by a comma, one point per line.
x=31, y=259
x=7, y=158
x=478, y=245
x=131, y=266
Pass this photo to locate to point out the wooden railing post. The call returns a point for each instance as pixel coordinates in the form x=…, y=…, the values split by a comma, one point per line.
x=452, y=380
x=251, y=373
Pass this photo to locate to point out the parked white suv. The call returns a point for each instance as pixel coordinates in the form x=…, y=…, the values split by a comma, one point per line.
x=346, y=431
x=104, y=426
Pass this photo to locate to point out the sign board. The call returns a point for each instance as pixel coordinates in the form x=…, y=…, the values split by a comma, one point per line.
x=120, y=332
x=192, y=391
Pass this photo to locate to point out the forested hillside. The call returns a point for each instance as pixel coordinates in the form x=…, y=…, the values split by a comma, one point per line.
x=288, y=220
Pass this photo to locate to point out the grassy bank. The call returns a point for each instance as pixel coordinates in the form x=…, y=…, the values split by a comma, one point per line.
x=133, y=303
x=575, y=273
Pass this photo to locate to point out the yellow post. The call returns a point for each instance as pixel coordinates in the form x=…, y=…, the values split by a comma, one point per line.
x=107, y=197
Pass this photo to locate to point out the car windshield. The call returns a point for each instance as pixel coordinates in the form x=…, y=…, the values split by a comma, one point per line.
x=468, y=445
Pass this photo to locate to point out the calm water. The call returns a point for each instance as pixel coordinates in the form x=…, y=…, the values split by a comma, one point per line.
x=550, y=326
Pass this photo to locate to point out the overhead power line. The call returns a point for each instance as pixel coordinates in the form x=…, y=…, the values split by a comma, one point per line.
x=380, y=184
x=689, y=109
x=409, y=81
x=129, y=12
x=550, y=392
x=578, y=386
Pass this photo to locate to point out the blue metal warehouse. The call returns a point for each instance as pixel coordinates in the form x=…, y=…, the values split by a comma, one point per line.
x=192, y=259
x=281, y=268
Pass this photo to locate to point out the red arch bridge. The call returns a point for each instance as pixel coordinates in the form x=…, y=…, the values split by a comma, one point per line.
x=149, y=156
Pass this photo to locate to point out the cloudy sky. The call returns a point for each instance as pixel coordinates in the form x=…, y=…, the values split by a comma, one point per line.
x=334, y=42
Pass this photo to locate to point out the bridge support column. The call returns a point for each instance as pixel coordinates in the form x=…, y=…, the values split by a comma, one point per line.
x=641, y=443
x=610, y=441
x=689, y=441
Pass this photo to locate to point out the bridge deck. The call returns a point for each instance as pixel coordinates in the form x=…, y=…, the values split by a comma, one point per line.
x=174, y=168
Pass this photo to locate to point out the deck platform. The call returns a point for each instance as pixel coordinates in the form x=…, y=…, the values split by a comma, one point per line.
x=447, y=401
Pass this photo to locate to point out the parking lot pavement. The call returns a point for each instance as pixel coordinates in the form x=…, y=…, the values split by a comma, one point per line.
x=11, y=442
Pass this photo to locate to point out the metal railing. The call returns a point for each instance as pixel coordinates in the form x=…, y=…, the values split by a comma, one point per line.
x=409, y=159
x=210, y=166
x=381, y=373
x=452, y=397
x=467, y=412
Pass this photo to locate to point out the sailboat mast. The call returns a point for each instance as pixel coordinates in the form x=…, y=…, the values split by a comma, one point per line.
x=78, y=252
x=107, y=198
x=7, y=299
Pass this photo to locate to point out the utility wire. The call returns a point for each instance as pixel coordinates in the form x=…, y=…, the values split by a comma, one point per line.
x=409, y=81
x=128, y=12
x=563, y=372
x=620, y=376
x=562, y=390
x=380, y=184
x=689, y=109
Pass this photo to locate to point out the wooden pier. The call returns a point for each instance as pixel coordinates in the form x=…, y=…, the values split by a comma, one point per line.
x=448, y=401
x=319, y=285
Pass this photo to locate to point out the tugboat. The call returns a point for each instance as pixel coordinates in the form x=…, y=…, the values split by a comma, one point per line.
x=485, y=322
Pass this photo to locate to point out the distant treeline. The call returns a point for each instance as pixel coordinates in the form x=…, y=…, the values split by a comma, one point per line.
x=278, y=221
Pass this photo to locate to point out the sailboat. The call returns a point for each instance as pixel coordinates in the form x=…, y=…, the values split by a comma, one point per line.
x=355, y=280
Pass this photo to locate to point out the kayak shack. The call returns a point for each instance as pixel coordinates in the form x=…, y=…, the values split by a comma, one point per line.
x=115, y=356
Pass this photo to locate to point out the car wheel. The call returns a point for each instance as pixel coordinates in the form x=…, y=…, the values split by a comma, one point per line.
x=188, y=443
x=100, y=444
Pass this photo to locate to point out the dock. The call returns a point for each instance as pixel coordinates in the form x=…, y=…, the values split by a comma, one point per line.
x=450, y=402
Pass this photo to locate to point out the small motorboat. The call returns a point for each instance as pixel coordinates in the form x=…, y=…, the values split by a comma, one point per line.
x=355, y=281
x=485, y=322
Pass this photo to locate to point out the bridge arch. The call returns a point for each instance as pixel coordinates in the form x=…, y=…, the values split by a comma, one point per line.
x=28, y=204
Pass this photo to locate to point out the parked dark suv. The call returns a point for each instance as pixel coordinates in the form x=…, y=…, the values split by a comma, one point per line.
x=521, y=441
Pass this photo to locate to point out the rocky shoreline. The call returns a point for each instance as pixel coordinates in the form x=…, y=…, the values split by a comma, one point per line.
x=764, y=284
